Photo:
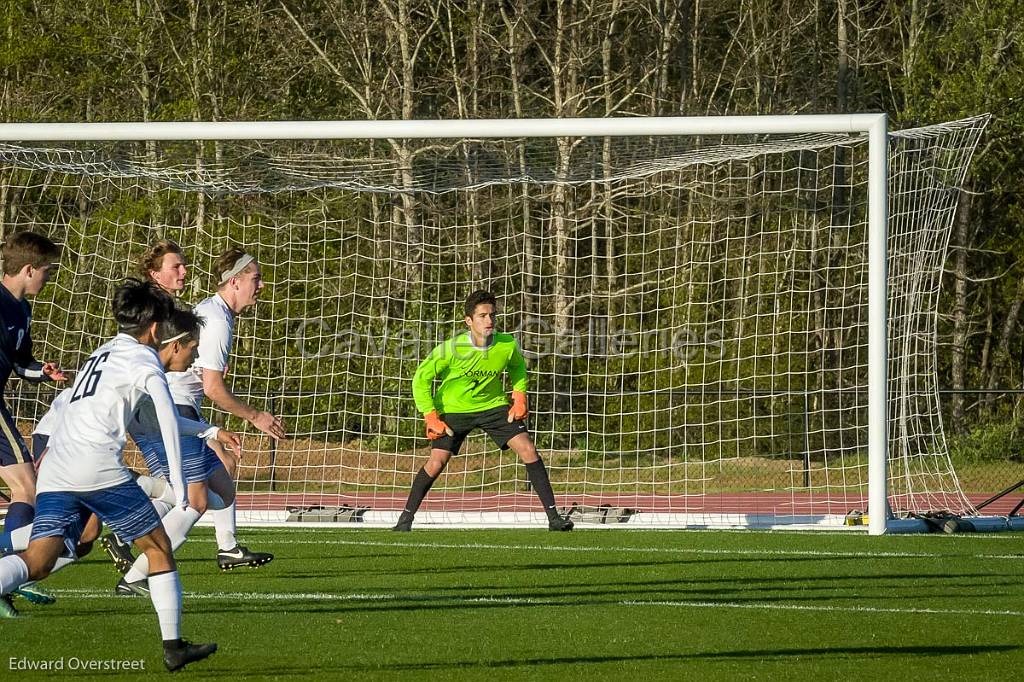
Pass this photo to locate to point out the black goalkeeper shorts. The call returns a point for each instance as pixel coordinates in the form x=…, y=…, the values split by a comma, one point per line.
x=494, y=423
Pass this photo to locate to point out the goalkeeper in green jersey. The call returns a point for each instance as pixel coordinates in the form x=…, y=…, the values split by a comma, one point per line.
x=471, y=396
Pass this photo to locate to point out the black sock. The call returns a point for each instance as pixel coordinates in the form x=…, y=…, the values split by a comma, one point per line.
x=172, y=643
x=538, y=475
x=420, y=487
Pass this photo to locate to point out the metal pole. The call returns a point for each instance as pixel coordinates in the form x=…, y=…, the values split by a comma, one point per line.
x=878, y=427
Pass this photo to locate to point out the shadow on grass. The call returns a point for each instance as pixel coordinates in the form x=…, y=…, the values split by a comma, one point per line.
x=426, y=602
x=739, y=655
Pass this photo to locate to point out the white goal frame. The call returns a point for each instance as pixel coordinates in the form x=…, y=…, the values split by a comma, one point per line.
x=874, y=125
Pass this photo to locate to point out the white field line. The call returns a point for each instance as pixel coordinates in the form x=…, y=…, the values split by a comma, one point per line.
x=824, y=554
x=364, y=597
x=836, y=609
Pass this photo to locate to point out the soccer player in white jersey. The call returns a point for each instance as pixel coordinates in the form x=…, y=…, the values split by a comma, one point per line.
x=209, y=485
x=84, y=472
x=158, y=490
x=240, y=283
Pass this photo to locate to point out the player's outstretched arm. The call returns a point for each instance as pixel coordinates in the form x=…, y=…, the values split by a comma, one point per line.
x=216, y=389
x=32, y=370
x=228, y=439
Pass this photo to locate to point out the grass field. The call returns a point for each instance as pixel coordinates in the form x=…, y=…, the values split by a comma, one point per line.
x=591, y=605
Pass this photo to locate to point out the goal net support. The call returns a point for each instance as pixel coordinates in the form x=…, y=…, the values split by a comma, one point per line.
x=727, y=321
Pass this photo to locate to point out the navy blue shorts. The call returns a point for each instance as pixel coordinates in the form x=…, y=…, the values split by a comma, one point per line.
x=123, y=507
x=198, y=460
x=12, y=445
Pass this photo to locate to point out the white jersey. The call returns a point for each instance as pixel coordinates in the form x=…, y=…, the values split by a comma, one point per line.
x=214, y=348
x=85, y=449
x=48, y=422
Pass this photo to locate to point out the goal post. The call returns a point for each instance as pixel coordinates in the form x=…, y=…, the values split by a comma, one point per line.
x=194, y=193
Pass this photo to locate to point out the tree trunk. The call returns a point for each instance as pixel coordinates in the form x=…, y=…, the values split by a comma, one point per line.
x=961, y=324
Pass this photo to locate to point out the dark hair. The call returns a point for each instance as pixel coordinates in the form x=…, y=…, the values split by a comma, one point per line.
x=139, y=304
x=478, y=298
x=153, y=258
x=181, y=322
x=28, y=248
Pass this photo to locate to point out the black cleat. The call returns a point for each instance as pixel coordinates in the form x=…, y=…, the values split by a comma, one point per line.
x=139, y=588
x=404, y=524
x=119, y=552
x=183, y=652
x=560, y=523
x=241, y=556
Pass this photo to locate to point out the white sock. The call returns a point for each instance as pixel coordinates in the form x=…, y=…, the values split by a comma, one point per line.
x=62, y=562
x=153, y=487
x=224, y=527
x=161, y=507
x=20, y=537
x=165, y=592
x=177, y=524
x=13, y=573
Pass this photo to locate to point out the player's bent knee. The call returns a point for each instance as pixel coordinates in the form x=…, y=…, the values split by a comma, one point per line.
x=39, y=560
x=437, y=462
x=83, y=549
x=157, y=548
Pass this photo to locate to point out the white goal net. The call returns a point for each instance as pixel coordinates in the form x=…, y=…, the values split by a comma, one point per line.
x=693, y=310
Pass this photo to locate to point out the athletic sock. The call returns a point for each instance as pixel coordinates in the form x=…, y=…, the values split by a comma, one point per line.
x=13, y=573
x=19, y=514
x=420, y=487
x=165, y=593
x=224, y=527
x=177, y=523
x=538, y=475
x=162, y=508
x=16, y=540
x=62, y=562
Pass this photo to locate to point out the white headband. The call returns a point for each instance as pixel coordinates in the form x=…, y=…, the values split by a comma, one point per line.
x=239, y=265
x=174, y=338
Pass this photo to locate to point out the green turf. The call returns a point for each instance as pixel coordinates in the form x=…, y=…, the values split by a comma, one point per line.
x=606, y=605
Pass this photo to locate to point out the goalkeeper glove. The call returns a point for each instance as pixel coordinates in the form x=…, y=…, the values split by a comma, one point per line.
x=519, y=410
x=435, y=427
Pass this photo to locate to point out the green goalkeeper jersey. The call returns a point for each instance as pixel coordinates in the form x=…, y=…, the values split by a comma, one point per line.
x=470, y=376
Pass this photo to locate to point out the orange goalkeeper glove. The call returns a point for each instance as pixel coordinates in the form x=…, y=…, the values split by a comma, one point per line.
x=519, y=410
x=435, y=426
